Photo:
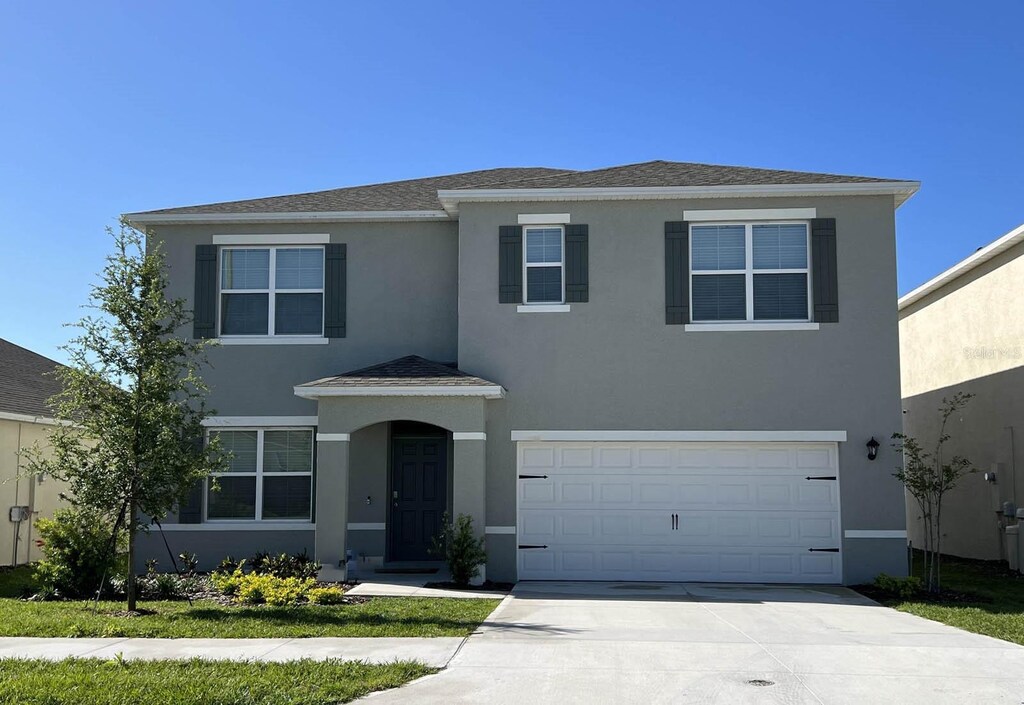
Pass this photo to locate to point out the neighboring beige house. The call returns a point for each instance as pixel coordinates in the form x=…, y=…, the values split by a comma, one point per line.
x=964, y=331
x=25, y=419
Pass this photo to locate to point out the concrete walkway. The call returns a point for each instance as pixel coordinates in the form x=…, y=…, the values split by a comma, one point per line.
x=671, y=643
x=436, y=652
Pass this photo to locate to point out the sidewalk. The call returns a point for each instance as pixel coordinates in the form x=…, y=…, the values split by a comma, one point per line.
x=434, y=652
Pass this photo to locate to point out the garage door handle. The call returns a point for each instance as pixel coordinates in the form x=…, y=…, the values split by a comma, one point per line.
x=821, y=477
x=530, y=545
x=823, y=550
x=675, y=521
x=533, y=477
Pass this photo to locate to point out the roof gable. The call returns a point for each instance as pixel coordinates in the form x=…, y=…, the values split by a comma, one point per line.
x=26, y=381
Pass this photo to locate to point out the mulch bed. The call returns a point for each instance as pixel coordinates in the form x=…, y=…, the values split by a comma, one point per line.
x=946, y=597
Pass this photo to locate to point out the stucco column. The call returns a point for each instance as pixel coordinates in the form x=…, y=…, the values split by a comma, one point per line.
x=469, y=473
x=331, y=502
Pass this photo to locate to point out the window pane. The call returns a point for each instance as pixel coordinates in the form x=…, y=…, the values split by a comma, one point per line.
x=719, y=297
x=244, y=314
x=780, y=297
x=298, y=314
x=288, y=451
x=300, y=269
x=718, y=247
x=544, y=284
x=236, y=498
x=780, y=246
x=245, y=269
x=543, y=245
x=242, y=447
x=287, y=497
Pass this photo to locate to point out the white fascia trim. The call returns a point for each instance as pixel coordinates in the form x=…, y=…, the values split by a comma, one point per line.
x=274, y=340
x=368, y=526
x=28, y=418
x=900, y=190
x=963, y=266
x=875, y=534
x=240, y=526
x=710, y=327
x=326, y=437
x=486, y=392
x=500, y=530
x=259, y=421
x=297, y=217
x=543, y=218
x=283, y=239
x=750, y=214
x=468, y=436
x=543, y=308
x=705, y=436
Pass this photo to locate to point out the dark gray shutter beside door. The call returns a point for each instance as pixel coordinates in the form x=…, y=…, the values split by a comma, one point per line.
x=677, y=272
x=204, y=304
x=577, y=268
x=510, y=264
x=335, y=283
x=824, y=274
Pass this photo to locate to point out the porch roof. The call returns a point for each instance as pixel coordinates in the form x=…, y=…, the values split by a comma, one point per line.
x=411, y=375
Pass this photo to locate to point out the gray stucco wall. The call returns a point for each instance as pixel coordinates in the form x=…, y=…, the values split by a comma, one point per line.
x=613, y=363
x=211, y=547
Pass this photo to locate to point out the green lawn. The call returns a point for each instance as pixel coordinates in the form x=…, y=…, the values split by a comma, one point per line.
x=379, y=616
x=98, y=682
x=998, y=612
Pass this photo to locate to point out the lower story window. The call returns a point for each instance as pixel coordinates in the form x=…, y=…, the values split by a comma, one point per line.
x=269, y=475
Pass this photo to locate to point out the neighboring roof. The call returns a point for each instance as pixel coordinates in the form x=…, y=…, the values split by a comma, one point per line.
x=983, y=255
x=26, y=381
x=412, y=373
x=430, y=198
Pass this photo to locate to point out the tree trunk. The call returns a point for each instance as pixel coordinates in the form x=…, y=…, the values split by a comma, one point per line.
x=130, y=587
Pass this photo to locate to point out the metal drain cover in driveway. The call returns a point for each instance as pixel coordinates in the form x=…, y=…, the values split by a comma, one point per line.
x=760, y=682
x=637, y=586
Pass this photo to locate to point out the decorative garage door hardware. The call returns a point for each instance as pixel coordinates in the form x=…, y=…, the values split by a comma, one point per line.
x=533, y=477
x=530, y=545
x=822, y=477
x=675, y=522
x=823, y=550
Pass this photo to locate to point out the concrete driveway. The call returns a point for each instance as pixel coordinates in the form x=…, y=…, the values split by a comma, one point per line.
x=672, y=643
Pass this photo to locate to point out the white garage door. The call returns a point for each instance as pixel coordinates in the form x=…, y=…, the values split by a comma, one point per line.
x=731, y=512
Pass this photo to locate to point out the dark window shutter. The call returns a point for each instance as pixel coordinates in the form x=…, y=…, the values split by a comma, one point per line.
x=190, y=509
x=677, y=272
x=335, y=275
x=823, y=270
x=510, y=264
x=577, y=269
x=204, y=305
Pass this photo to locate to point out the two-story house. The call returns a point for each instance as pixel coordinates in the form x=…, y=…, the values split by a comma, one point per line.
x=660, y=371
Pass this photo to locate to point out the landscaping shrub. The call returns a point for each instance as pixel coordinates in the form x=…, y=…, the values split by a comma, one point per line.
x=463, y=551
x=903, y=588
x=76, y=552
x=326, y=596
x=228, y=566
x=260, y=588
x=283, y=565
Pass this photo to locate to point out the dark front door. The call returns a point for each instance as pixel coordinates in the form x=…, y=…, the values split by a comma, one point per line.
x=419, y=493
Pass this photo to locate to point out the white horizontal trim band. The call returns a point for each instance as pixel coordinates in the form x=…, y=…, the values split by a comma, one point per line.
x=751, y=214
x=241, y=526
x=543, y=308
x=28, y=418
x=369, y=526
x=275, y=340
x=712, y=436
x=875, y=534
x=732, y=327
x=260, y=421
x=468, y=436
x=487, y=392
x=324, y=437
x=500, y=530
x=296, y=217
x=543, y=218
x=268, y=239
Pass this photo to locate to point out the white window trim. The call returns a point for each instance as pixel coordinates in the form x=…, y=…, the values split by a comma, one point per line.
x=542, y=308
x=750, y=326
x=543, y=218
x=242, y=525
x=748, y=271
x=284, y=239
x=745, y=214
x=260, y=474
x=251, y=422
x=527, y=265
x=270, y=337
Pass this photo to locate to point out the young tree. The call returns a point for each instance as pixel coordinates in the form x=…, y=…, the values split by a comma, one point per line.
x=132, y=405
x=928, y=477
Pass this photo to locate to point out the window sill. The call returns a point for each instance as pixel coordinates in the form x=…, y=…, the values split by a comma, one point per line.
x=275, y=340
x=752, y=326
x=243, y=525
x=543, y=308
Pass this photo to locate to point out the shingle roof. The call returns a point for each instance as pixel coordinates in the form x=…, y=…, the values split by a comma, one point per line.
x=25, y=381
x=408, y=371
x=421, y=194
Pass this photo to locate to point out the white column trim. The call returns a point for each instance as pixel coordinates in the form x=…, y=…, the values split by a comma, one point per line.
x=699, y=436
x=500, y=530
x=367, y=526
x=468, y=436
x=875, y=534
x=260, y=421
x=321, y=437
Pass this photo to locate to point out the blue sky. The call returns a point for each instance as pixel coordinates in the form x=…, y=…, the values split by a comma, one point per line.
x=114, y=107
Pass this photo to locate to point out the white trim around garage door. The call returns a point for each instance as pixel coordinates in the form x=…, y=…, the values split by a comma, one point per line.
x=500, y=530
x=700, y=436
x=875, y=534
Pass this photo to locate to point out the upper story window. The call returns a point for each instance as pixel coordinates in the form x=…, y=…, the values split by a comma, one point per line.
x=749, y=272
x=271, y=291
x=544, y=262
x=269, y=475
